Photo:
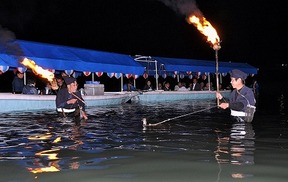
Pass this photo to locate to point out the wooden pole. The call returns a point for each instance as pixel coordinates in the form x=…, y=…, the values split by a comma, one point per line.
x=217, y=74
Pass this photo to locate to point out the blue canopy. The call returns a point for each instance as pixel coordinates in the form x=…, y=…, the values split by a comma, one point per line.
x=59, y=57
x=186, y=65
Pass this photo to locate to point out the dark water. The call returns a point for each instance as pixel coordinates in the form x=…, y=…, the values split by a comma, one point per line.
x=114, y=146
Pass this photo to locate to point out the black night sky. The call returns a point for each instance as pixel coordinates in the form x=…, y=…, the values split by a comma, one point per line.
x=251, y=31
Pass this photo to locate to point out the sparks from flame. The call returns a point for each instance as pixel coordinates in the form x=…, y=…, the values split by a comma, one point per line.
x=37, y=69
x=205, y=28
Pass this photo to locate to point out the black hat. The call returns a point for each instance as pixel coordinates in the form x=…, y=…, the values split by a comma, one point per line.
x=238, y=74
x=68, y=80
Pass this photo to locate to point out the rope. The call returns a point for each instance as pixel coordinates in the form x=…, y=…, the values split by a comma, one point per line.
x=155, y=124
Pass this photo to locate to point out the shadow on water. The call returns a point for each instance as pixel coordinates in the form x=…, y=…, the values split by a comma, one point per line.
x=113, y=145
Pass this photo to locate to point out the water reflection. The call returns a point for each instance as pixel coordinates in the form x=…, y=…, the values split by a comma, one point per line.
x=114, y=138
x=237, y=148
x=54, y=147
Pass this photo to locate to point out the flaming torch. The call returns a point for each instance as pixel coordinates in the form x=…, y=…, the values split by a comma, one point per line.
x=38, y=70
x=209, y=31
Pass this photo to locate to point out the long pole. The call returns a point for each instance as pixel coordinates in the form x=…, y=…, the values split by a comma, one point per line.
x=217, y=47
x=217, y=74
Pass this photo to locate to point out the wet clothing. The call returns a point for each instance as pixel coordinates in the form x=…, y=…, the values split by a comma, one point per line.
x=242, y=104
x=17, y=85
x=63, y=96
x=240, y=99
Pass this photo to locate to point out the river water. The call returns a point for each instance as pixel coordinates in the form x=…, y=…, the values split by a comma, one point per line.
x=202, y=143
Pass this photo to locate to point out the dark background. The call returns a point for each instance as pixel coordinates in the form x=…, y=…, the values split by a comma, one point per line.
x=251, y=31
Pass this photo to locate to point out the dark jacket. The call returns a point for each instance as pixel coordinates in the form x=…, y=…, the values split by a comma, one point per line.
x=197, y=87
x=240, y=99
x=17, y=85
x=63, y=96
x=30, y=89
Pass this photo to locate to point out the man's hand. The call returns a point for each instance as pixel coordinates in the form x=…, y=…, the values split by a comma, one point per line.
x=218, y=95
x=224, y=105
x=54, y=84
x=72, y=101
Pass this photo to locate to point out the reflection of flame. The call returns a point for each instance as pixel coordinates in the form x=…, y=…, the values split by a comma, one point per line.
x=58, y=139
x=52, y=155
x=53, y=165
x=205, y=28
x=44, y=169
x=40, y=137
x=37, y=69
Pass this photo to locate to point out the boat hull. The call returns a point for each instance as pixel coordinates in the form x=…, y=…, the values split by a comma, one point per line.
x=20, y=102
x=166, y=96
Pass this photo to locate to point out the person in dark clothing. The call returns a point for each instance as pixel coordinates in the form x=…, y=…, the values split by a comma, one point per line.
x=195, y=85
x=129, y=86
x=148, y=86
x=242, y=101
x=69, y=100
x=30, y=88
x=48, y=90
x=58, y=83
x=167, y=86
x=18, y=83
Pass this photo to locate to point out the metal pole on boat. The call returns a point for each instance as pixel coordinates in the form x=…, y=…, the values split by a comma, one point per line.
x=217, y=47
x=25, y=78
x=93, y=79
x=156, y=74
x=209, y=81
x=121, y=82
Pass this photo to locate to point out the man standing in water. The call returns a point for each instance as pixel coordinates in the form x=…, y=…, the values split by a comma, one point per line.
x=242, y=101
x=69, y=100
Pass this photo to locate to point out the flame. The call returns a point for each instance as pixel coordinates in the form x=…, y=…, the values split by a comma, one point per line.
x=37, y=69
x=205, y=28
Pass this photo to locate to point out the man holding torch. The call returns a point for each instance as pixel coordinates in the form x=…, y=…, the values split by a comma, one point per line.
x=242, y=101
x=69, y=100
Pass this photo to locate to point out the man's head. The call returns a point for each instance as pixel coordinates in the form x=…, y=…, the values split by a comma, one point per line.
x=238, y=78
x=238, y=74
x=71, y=83
x=20, y=74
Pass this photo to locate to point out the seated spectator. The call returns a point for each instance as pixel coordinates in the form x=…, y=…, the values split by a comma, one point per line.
x=30, y=87
x=148, y=86
x=208, y=86
x=48, y=90
x=58, y=83
x=183, y=87
x=129, y=87
x=160, y=87
x=18, y=83
x=167, y=86
x=195, y=85
x=176, y=88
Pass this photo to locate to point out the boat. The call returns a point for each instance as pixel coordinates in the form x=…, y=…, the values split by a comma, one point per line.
x=22, y=103
x=77, y=61
x=170, y=96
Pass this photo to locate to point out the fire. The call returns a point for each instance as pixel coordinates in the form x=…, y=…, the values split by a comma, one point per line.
x=205, y=28
x=37, y=69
